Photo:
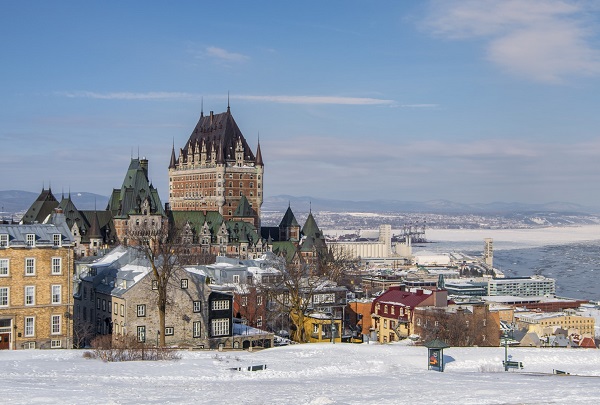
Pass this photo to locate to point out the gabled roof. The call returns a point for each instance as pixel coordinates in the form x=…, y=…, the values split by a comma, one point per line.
x=286, y=249
x=405, y=298
x=41, y=208
x=244, y=209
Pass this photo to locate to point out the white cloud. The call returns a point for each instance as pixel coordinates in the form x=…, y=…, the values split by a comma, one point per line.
x=129, y=95
x=316, y=100
x=545, y=41
x=281, y=99
x=224, y=55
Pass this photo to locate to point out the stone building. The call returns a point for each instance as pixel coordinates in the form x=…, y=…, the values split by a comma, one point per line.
x=215, y=169
x=116, y=296
x=36, y=263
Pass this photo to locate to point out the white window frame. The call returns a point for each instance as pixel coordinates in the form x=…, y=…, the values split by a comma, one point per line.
x=184, y=283
x=56, y=265
x=259, y=300
x=141, y=310
x=55, y=324
x=4, y=267
x=30, y=239
x=220, y=327
x=55, y=344
x=56, y=293
x=4, y=239
x=259, y=322
x=29, y=327
x=197, y=306
x=57, y=240
x=218, y=305
x=197, y=329
x=30, y=269
x=169, y=331
x=4, y=297
x=141, y=334
x=29, y=295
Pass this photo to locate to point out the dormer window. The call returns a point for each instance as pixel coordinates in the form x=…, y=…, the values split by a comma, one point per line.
x=3, y=240
x=56, y=239
x=30, y=239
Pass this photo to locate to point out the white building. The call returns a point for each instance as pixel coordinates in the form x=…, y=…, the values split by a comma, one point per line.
x=534, y=286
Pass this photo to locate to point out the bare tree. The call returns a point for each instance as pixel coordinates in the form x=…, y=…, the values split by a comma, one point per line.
x=337, y=264
x=164, y=245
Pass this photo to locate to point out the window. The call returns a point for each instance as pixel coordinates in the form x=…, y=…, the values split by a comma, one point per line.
x=197, y=306
x=184, y=283
x=244, y=301
x=385, y=309
x=29, y=295
x=259, y=322
x=29, y=326
x=56, y=239
x=4, y=240
x=141, y=334
x=141, y=310
x=104, y=305
x=154, y=284
x=85, y=293
x=122, y=310
x=197, y=330
x=220, y=327
x=393, y=310
x=56, y=292
x=55, y=324
x=109, y=307
x=236, y=278
x=116, y=309
x=30, y=266
x=97, y=303
x=4, y=269
x=55, y=344
x=220, y=304
x=30, y=239
x=169, y=331
x=259, y=300
x=56, y=265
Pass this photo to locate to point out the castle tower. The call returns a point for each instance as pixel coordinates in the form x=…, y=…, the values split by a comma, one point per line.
x=215, y=169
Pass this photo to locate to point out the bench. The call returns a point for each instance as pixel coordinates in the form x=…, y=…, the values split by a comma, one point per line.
x=512, y=364
x=251, y=368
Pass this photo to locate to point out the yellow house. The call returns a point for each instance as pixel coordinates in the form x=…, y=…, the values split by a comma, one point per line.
x=36, y=298
x=544, y=323
x=321, y=326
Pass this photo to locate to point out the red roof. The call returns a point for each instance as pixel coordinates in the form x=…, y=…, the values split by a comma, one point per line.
x=405, y=298
x=587, y=342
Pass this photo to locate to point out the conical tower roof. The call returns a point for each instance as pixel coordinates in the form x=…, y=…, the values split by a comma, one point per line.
x=288, y=219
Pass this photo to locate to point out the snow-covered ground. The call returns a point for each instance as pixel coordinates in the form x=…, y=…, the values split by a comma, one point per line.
x=305, y=374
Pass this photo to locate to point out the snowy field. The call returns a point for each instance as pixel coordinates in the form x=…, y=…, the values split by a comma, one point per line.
x=305, y=374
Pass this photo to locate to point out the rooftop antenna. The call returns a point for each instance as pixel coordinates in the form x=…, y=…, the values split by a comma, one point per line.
x=228, y=110
x=310, y=207
x=138, y=152
x=201, y=108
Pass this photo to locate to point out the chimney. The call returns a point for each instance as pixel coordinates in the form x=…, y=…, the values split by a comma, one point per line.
x=144, y=166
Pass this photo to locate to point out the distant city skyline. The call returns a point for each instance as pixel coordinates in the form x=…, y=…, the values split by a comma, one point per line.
x=466, y=101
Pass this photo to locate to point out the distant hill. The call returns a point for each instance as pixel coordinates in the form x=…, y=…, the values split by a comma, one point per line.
x=280, y=203
x=15, y=201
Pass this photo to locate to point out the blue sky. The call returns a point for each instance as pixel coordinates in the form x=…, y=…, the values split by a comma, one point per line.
x=470, y=101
